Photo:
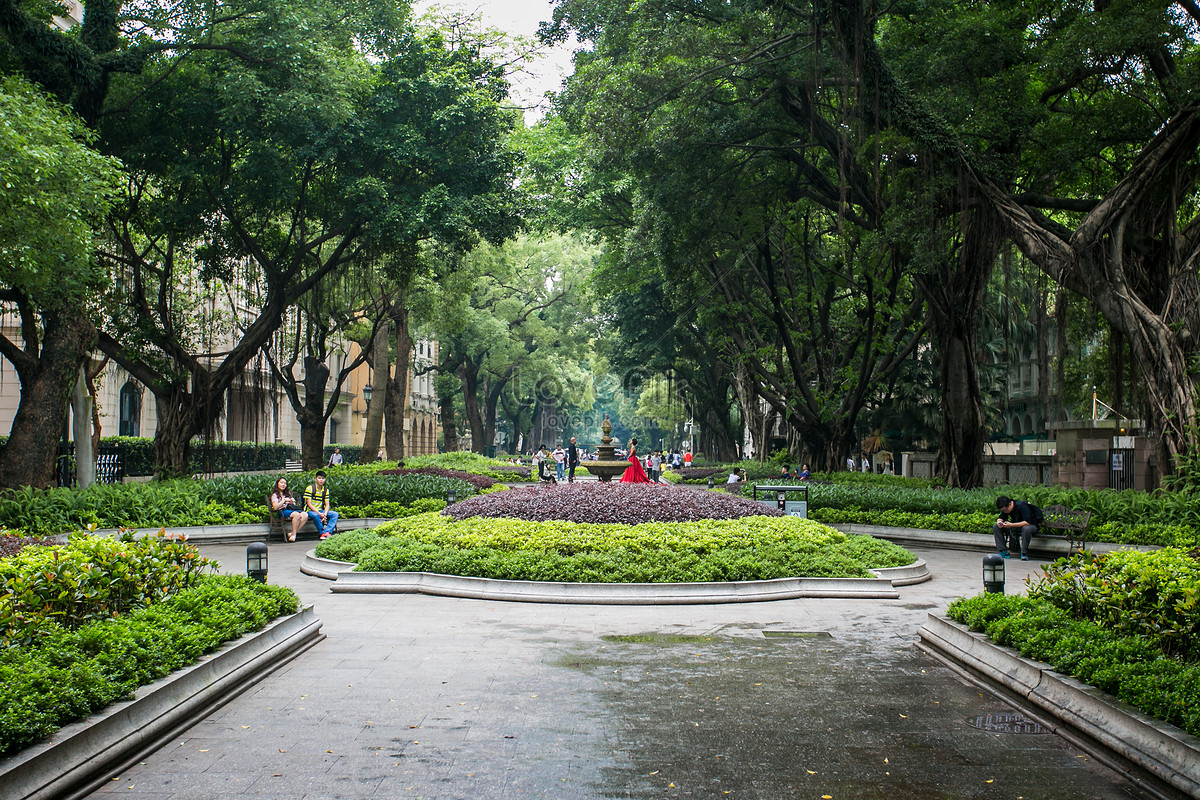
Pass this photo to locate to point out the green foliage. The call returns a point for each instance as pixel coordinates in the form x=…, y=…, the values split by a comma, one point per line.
x=751, y=548
x=475, y=463
x=53, y=189
x=217, y=456
x=68, y=674
x=1132, y=668
x=90, y=578
x=222, y=501
x=393, y=510
x=1151, y=595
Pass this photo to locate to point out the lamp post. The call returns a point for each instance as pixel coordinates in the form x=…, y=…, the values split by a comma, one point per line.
x=710, y=482
x=256, y=561
x=993, y=573
x=451, y=497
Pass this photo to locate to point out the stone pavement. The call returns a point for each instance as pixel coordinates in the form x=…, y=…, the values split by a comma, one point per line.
x=425, y=697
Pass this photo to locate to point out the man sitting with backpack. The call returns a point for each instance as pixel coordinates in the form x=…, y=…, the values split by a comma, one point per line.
x=1016, y=517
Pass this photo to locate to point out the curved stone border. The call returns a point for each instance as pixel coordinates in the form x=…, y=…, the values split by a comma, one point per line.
x=1090, y=716
x=959, y=540
x=346, y=580
x=233, y=534
x=85, y=754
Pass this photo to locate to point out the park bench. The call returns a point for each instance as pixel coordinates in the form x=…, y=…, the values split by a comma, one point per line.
x=280, y=525
x=1063, y=523
x=292, y=466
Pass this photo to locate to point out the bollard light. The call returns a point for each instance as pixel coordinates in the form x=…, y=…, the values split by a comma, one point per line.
x=256, y=561
x=451, y=497
x=993, y=573
x=710, y=481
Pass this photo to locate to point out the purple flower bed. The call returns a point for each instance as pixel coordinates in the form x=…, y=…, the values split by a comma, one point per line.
x=629, y=504
x=478, y=481
x=11, y=545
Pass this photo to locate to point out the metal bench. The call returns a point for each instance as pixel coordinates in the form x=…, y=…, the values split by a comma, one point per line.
x=292, y=466
x=1065, y=523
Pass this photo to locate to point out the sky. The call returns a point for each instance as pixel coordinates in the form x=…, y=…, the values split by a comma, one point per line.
x=519, y=17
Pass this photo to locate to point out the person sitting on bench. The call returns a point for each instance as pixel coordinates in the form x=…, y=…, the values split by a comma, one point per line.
x=285, y=505
x=316, y=503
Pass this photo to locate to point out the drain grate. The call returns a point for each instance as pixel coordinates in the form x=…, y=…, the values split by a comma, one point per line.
x=1006, y=722
x=797, y=634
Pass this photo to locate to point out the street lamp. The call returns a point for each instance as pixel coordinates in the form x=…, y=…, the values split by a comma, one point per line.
x=367, y=395
x=256, y=561
x=993, y=573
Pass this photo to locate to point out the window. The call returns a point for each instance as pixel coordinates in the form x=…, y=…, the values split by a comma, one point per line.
x=130, y=423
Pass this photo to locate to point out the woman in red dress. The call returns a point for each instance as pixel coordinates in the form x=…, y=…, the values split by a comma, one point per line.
x=634, y=472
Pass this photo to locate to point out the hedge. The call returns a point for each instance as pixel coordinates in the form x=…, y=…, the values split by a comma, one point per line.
x=68, y=674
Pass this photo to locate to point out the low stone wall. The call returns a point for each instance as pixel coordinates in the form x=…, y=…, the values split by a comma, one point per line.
x=86, y=754
x=1147, y=750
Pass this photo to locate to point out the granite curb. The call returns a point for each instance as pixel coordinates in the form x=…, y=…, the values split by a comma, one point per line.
x=85, y=754
x=1128, y=740
x=960, y=540
x=345, y=580
x=233, y=534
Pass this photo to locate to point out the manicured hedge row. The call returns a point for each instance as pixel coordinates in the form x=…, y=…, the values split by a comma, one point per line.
x=68, y=674
x=207, y=456
x=981, y=522
x=750, y=548
x=222, y=501
x=1127, y=517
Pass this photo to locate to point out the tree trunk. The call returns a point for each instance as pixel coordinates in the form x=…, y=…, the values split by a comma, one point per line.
x=956, y=301
x=178, y=417
x=397, y=383
x=81, y=423
x=312, y=415
x=46, y=384
x=380, y=359
x=468, y=373
x=449, y=424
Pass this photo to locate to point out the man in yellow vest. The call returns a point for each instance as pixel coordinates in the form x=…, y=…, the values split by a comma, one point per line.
x=316, y=503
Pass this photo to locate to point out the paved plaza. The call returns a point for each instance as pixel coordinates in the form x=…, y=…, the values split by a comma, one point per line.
x=412, y=696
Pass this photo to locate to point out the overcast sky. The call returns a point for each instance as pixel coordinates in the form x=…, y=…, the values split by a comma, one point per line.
x=518, y=17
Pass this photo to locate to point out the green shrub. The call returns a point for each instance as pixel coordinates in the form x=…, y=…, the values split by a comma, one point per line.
x=1131, y=668
x=217, y=456
x=68, y=674
x=221, y=501
x=1152, y=595
x=750, y=548
x=90, y=578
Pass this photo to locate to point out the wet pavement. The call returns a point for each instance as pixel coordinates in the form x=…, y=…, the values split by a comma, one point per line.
x=413, y=696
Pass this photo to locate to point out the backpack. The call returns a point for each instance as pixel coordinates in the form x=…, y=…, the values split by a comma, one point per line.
x=1038, y=516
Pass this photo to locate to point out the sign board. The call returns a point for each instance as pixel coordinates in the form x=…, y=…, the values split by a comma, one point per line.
x=791, y=508
x=1118, y=462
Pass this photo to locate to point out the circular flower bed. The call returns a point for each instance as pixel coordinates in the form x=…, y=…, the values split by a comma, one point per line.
x=625, y=503
x=750, y=548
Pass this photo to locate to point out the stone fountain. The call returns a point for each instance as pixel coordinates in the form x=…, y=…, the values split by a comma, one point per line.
x=609, y=466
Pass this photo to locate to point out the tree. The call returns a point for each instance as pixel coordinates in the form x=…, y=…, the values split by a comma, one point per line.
x=1115, y=223
x=53, y=190
x=267, y=176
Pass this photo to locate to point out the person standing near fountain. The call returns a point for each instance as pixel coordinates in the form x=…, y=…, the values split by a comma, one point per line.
x=634, y=472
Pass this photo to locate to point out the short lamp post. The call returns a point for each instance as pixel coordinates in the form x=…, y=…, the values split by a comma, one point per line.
x=256, y=561
x=451, y=497
x=710, y=483
x=993, y=573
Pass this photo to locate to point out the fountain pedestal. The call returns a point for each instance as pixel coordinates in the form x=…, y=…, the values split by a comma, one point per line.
x=608, y=466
